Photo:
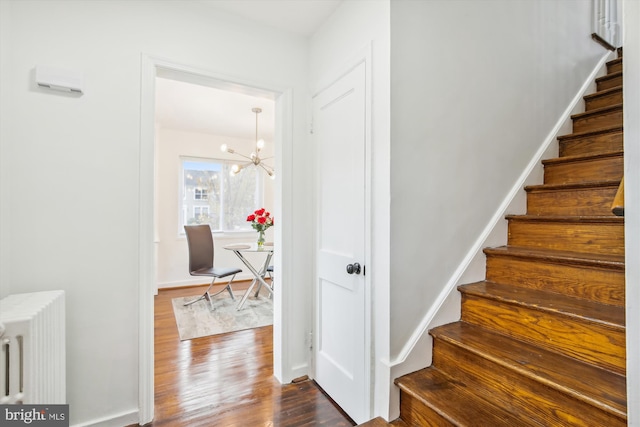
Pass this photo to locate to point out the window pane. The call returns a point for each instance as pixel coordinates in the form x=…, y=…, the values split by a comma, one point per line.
x=241, y=198
x=202, y=187
x=211, y=196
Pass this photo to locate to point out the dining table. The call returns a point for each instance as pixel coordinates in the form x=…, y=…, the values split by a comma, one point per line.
x=259, y=273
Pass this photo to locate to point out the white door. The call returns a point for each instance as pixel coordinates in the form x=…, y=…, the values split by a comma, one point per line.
x=341, y=345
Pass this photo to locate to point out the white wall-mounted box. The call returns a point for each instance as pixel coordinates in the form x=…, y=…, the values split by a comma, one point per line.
x=59, y=79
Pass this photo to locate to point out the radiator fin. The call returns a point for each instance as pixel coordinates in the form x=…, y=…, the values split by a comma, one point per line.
x=33, y=355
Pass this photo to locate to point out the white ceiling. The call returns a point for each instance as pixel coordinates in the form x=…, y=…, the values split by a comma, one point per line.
x=302, y=17
x=196, y=108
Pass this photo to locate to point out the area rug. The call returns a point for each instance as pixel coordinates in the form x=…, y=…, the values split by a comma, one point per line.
x=198, y=320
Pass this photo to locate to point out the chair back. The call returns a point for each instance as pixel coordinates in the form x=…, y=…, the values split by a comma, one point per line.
x=200, y=242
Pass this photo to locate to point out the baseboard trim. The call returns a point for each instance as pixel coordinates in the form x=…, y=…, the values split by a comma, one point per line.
x=117, y=420
x=184, y=285
x=199, y=282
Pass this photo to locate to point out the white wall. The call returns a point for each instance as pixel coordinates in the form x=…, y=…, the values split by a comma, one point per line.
x=70, y=168
x=172, y=252
x=476, y=87
x=631, y=73
x=353, y=27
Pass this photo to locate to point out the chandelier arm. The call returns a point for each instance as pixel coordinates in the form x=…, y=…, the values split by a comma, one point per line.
x=267, y=168
x=242, y=155
x=254, y=159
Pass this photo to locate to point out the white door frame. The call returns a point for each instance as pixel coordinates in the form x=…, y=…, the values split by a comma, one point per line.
x=150, y=66
x=364, y=56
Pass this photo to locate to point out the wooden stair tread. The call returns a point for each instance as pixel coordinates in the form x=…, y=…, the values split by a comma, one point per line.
x=577, y=135
x=603, y=92
x=609, y=316
x=609, y=76
x=464, y=407
x=595, y=386
x=568, y=219
x=597, y=111
x=613, y=262
x=572, y=186
x=571, y=159
x=614, y=61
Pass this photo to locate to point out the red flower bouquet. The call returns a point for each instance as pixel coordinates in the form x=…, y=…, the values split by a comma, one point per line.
x=260, y=220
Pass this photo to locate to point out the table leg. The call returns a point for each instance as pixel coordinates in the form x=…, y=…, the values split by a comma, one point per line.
x=259, y=277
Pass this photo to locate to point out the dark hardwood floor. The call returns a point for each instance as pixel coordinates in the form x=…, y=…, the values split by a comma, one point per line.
x=227, y=380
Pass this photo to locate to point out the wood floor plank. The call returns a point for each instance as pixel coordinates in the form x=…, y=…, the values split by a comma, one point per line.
x=227, y=380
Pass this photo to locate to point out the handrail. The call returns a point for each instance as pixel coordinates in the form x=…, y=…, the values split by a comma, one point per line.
x=617, y=207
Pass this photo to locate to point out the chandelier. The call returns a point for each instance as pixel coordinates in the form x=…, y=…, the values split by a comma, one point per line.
x=254, y=157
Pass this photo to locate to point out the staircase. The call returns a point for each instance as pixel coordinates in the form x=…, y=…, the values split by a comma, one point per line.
x=541, y=341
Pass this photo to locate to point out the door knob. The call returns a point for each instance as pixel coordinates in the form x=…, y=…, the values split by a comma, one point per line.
x=353, y=268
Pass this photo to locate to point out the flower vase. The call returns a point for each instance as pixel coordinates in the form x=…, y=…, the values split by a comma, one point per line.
x=260, y=239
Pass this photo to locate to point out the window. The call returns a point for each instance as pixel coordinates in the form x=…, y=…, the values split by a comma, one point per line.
x=211, y=196
x=200, y=194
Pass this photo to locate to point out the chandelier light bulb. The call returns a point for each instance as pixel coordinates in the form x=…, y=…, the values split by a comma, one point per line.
x=260, y=144
x=235, y=169
x=223, y=148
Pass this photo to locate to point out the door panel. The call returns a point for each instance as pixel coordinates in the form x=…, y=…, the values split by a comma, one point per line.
x=340, y=138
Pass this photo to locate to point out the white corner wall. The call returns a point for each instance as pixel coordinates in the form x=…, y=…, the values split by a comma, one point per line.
x=172, y=263
x=631, y=71
x=476, y=89
x=354, y=27
x=70, y=169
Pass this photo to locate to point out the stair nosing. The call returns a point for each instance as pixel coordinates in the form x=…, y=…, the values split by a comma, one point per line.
x=597, y=111
x=613, y=262
x=603, y=92
x=593, y=132
x=462, y=390
x=582, y=158
x=511, y=365
x=609, y=76
x=568, y=218
x=555, y=310
x=585, y=185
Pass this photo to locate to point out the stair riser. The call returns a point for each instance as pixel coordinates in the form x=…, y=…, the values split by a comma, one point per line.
x=416, y=413
x=600, y=285
x=592, y=170
x=600, y=238
x=591, y=145
x=578, y=338
x=609, y=83
x=519, y=394
x=588, y=201
x=614, y=67
x=603, y=101
x=598, y=121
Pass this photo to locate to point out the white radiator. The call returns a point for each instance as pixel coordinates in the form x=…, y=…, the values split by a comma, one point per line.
x=32, y=353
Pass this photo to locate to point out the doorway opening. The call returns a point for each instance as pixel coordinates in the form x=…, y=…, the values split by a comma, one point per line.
x=193, y=183
x=153, y=69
